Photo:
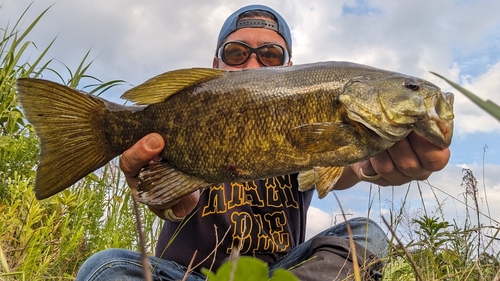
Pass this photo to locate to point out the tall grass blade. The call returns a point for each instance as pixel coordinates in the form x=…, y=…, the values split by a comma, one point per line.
x=487, y=105
x=3, y=260
x=34, y=65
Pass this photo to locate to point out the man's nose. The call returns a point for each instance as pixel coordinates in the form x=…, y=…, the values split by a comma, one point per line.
x=253, y=62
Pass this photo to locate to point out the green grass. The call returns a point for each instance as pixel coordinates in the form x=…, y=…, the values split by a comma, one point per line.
x=437, y=249
x=49, y=239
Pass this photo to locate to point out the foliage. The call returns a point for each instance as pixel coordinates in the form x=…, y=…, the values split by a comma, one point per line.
x=441, y=250
x=49, y=239
x=12, y=47
x=247, y=269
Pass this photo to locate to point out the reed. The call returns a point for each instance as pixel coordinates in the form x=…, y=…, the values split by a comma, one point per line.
x=49, y=239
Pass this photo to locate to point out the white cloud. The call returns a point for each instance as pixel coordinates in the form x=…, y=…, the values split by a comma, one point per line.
x=140, y=39
x=471, y=118
x=317, y=221
x=485, y=85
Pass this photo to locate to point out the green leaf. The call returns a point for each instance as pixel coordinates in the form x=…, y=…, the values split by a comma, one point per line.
x=92, y=177
x=6, y=142
x=243, y=269
x=283, y=275
x=487, y=105
x=247, y=269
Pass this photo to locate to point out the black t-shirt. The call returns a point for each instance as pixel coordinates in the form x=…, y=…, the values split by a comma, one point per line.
x=264, y=218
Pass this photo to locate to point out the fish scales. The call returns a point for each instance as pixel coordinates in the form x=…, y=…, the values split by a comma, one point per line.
x=224, y=126
x=224, y=123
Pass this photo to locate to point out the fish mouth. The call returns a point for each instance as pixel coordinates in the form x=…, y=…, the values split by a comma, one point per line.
x=438, y=132
x=438, y=126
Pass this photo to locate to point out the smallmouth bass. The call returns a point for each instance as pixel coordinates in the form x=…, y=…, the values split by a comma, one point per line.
x=234, y=126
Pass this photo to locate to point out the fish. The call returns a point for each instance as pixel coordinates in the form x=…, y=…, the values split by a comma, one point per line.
x=234, y=126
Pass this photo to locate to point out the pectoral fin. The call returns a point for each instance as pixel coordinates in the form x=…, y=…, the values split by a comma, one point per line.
x=323, y=178
x=318, y=137
x=160, y=183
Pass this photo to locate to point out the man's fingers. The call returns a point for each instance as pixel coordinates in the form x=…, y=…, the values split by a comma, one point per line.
x=186, y=204
x=140, y=154
x=180, y=208
x=395, y=166
x=432, y=158
x=407, y=161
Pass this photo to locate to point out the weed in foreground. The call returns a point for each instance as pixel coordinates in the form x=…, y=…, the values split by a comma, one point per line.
x=50, y=239
x=436, y=249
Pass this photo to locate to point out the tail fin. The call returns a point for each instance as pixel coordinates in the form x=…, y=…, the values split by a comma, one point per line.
x=69, y=125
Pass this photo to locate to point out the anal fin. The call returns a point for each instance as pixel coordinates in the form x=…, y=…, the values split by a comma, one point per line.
x=160, y=183
x=323, y=178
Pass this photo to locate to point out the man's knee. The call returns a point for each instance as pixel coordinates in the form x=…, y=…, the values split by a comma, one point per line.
x=107, y=260
x=365, y=232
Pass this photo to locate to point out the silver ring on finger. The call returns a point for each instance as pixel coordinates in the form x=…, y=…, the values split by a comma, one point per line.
x=369, y=178
x=170, y=216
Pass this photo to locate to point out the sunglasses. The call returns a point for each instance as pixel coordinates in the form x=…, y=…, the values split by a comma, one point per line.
x=237, y=53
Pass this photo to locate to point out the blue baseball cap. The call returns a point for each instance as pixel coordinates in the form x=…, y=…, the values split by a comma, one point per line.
x=232, y=24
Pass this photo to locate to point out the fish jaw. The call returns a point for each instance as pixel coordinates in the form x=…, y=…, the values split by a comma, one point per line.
x=438, y=126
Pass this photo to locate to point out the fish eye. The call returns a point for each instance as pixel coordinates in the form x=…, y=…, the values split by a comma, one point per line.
x=412, y=85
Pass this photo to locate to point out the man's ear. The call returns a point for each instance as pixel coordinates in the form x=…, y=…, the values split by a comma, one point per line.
x=215, y=63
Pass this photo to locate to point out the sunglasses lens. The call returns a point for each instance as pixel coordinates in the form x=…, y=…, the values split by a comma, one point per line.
x=235, y=54
x=271, y=55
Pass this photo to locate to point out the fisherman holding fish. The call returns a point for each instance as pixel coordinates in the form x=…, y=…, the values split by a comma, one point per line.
x=262, y=218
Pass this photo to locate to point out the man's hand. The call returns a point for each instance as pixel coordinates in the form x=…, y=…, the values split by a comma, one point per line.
x=144, y=151
x=412, y=158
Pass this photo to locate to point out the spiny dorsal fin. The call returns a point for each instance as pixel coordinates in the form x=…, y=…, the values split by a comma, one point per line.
x=159, y=88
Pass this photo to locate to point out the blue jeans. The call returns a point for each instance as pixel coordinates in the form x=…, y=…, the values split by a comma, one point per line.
x=120, y=264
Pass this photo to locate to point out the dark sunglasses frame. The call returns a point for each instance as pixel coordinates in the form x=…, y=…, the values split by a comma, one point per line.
x=221, y=54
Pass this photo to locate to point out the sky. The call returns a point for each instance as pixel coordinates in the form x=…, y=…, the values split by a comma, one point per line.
x=460, y=39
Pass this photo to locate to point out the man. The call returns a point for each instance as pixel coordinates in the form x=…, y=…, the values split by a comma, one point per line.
x=264, y=218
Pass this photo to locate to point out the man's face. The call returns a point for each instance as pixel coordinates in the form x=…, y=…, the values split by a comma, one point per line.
x=254, y=37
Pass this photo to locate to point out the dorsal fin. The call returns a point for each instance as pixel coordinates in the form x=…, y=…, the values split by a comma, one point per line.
x=159, y=88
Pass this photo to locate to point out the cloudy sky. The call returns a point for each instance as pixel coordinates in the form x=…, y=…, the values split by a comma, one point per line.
x=460, y=39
